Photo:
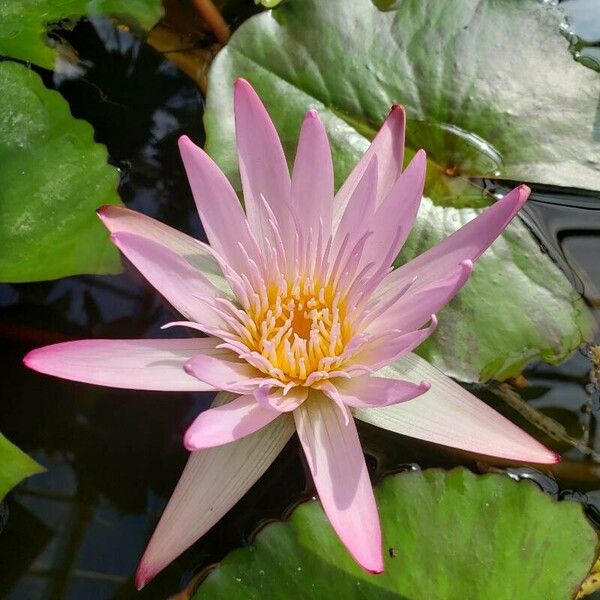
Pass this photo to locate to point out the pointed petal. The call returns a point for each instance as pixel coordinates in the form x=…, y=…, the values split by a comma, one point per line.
x=451, y=416
x=312, y=178
x=396, y=215
x=418, y=304
x=212, y=482
x=120, y=219
x=337, y=464
x=263, y=167
x=468, y=243
x=368, y=392
x=388, y=347
x=131, y=364
x=388, y=146
x=360, y=208
x=228, y=375
x=220, y=210
x=227, y=423
x=171, y=275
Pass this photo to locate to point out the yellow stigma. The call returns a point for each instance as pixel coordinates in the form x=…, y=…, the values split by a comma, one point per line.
x=298, y=329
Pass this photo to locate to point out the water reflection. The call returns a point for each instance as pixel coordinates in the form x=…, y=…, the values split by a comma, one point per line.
x=568, y=224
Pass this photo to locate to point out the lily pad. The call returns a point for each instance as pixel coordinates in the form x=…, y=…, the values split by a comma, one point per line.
x=517, y=307
x=15, y=465
x=490, y=89
x=53, y=177
x=24, y=24
x=447, y=535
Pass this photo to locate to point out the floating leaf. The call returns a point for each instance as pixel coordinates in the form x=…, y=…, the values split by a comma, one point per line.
x=15, y=465
x=53, y=177
x=490, y=89
x=24, y=24
x=447, y=535
x=517, y=307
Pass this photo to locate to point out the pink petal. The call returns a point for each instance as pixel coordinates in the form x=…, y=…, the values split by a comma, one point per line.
x=119, y=219
x=227, y=423
x=388, y=146
x=132, y=364
x=416, y=306
x=337, y=464
x=171, y=275
x=360, y=208
x=312, y=179
x=212, y=482
x=368, y=392
x=228, y=375
x=396, y=215
x=468, y=243
x=273, y=397
x=263, y=168
x=451, y=416
x=220, y=210
x=387, y=347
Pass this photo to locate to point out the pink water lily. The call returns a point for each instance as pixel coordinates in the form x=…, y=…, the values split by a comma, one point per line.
x=307, y=326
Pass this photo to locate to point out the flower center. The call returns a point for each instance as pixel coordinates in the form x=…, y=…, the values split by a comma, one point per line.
x=299, y=332
x=302, y=322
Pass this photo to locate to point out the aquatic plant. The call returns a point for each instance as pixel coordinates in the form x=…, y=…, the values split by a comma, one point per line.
x=306, y=323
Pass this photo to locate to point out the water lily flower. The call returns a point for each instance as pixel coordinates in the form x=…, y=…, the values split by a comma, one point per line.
x=306, y=325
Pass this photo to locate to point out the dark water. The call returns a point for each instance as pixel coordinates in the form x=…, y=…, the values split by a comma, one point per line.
x=113, y=456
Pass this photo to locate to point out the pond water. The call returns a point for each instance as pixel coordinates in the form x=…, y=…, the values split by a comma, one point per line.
x=113, y=456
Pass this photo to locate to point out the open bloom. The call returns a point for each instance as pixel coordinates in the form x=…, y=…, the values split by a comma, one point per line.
x=306, y=325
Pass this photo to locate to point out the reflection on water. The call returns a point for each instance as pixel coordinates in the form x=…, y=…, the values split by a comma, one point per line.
x=114, y=456
x=568, y=222
x=583, y=30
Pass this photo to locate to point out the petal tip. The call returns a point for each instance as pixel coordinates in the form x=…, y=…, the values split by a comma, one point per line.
x=29, y=359
x=143, y=576
x=425, y=385
x=242, y=87
x=102, y=211
x=374, y=565
x=189, y=443
x=467, y=265
x=524, y=192
x=187, y=367
x=241, y=82
x=542, y=457
x=185, y=143
x=398, y=109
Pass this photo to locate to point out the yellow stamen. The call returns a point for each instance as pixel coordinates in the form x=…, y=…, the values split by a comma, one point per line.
x=298, y=327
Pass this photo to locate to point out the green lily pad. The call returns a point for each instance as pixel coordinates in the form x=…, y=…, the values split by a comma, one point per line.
x=447, y=535
x=15, y=465
x=53, y=177
x=24, y=24
x=517, y=307
x=529, y=115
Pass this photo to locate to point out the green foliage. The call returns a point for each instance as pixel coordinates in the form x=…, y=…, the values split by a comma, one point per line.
x=14, y=466
x=24, y=24
x=490, y=89
x=447, y=536
x=53, y=177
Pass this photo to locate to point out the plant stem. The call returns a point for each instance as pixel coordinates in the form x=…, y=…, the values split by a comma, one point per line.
x=214, y=19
